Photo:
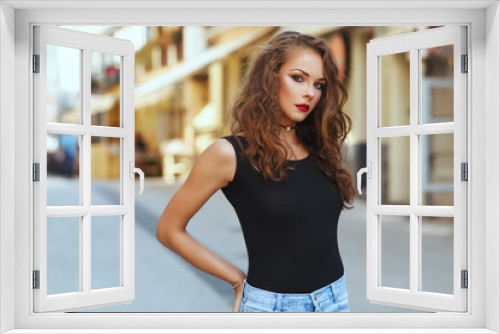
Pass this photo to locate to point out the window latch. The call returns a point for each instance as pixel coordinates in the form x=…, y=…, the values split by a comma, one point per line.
x=368, y=171
x=133, y=170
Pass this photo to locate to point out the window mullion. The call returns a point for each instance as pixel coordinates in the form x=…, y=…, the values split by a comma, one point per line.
x=85, y=179
x=77, y=129
x=415, y=250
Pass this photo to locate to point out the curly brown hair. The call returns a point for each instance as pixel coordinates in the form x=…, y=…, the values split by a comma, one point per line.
x=255, y=111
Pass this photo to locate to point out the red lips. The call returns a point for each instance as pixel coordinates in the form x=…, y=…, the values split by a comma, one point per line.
x=302, y=107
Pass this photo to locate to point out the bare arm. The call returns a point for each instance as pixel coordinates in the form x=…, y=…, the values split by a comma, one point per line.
x=213, y=170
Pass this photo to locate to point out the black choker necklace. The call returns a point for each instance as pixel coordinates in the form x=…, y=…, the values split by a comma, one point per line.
x=288, y=128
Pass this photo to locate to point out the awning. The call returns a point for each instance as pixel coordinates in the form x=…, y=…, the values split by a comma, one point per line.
x=206, y=119
x=189, y=67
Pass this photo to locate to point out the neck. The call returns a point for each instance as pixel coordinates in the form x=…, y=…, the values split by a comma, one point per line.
x=289, y=137
x=288, y=127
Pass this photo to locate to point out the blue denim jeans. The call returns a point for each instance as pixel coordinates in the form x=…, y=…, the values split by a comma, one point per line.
x=331, y=298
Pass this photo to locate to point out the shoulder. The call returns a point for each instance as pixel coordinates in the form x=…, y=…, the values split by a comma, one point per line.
x=220, y=151
x=218, y=162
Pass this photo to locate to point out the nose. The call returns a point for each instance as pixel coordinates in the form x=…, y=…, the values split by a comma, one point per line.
x=309, y=93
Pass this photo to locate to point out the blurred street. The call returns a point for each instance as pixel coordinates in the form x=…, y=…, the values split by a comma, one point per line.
x=166, y=283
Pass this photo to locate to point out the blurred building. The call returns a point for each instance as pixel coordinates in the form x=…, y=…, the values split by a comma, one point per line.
x=186, y=79
x=187, y=76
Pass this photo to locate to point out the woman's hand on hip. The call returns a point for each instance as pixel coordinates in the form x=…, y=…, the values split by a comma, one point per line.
x=238, y=298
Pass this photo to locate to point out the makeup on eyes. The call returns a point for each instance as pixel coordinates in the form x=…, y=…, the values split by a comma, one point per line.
x=298, y=76
x=321, y=81
x=307, y=74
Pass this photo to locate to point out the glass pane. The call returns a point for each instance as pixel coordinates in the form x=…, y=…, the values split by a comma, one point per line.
x=437, y=84
x=395, y=170
x=395, y=89
x=63, y=255
x=63, y=174
x=437, y=169
x=105, y=185
x=63, y=84
x=437, y=254
x=105, y=89
x=105, y=238
x=395, y=250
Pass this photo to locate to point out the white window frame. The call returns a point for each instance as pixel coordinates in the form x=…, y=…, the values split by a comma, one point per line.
x=483, y=21
x=86, y=44
x=413, y=213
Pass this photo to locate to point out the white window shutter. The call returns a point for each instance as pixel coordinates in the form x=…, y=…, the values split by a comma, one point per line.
x=415, y=297
x=85, y=297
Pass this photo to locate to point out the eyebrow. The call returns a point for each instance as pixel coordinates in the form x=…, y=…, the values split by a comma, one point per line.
x=307, y=74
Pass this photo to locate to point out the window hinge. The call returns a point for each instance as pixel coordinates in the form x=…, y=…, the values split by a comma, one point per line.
x=36, y=172
x=464, y=171
x=36, y=279
x=36, y=63
x=465, y=64
x=465, y=279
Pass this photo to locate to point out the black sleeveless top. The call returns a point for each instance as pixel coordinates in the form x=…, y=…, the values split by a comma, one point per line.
x=290, y=227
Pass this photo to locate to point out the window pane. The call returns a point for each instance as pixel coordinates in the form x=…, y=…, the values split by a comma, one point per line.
x=437, y=169
x=105, y=89
x=63, y=84
x=105, y=238
x=437, y=254
x=105, y=171
x=395, y=89
x=395, y=170
x=63, y=255
x=395, y=250
x=63, y=172
x=437, y=84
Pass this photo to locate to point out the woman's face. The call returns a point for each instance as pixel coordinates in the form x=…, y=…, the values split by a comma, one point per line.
x=301, y=80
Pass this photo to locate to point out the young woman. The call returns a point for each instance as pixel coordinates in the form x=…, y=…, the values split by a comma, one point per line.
x=281, y=169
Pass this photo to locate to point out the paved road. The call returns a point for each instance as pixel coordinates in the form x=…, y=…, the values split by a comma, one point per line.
x=166, y=283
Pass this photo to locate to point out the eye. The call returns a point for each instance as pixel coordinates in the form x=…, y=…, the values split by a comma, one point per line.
x=297, y=78
x=319, y=85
